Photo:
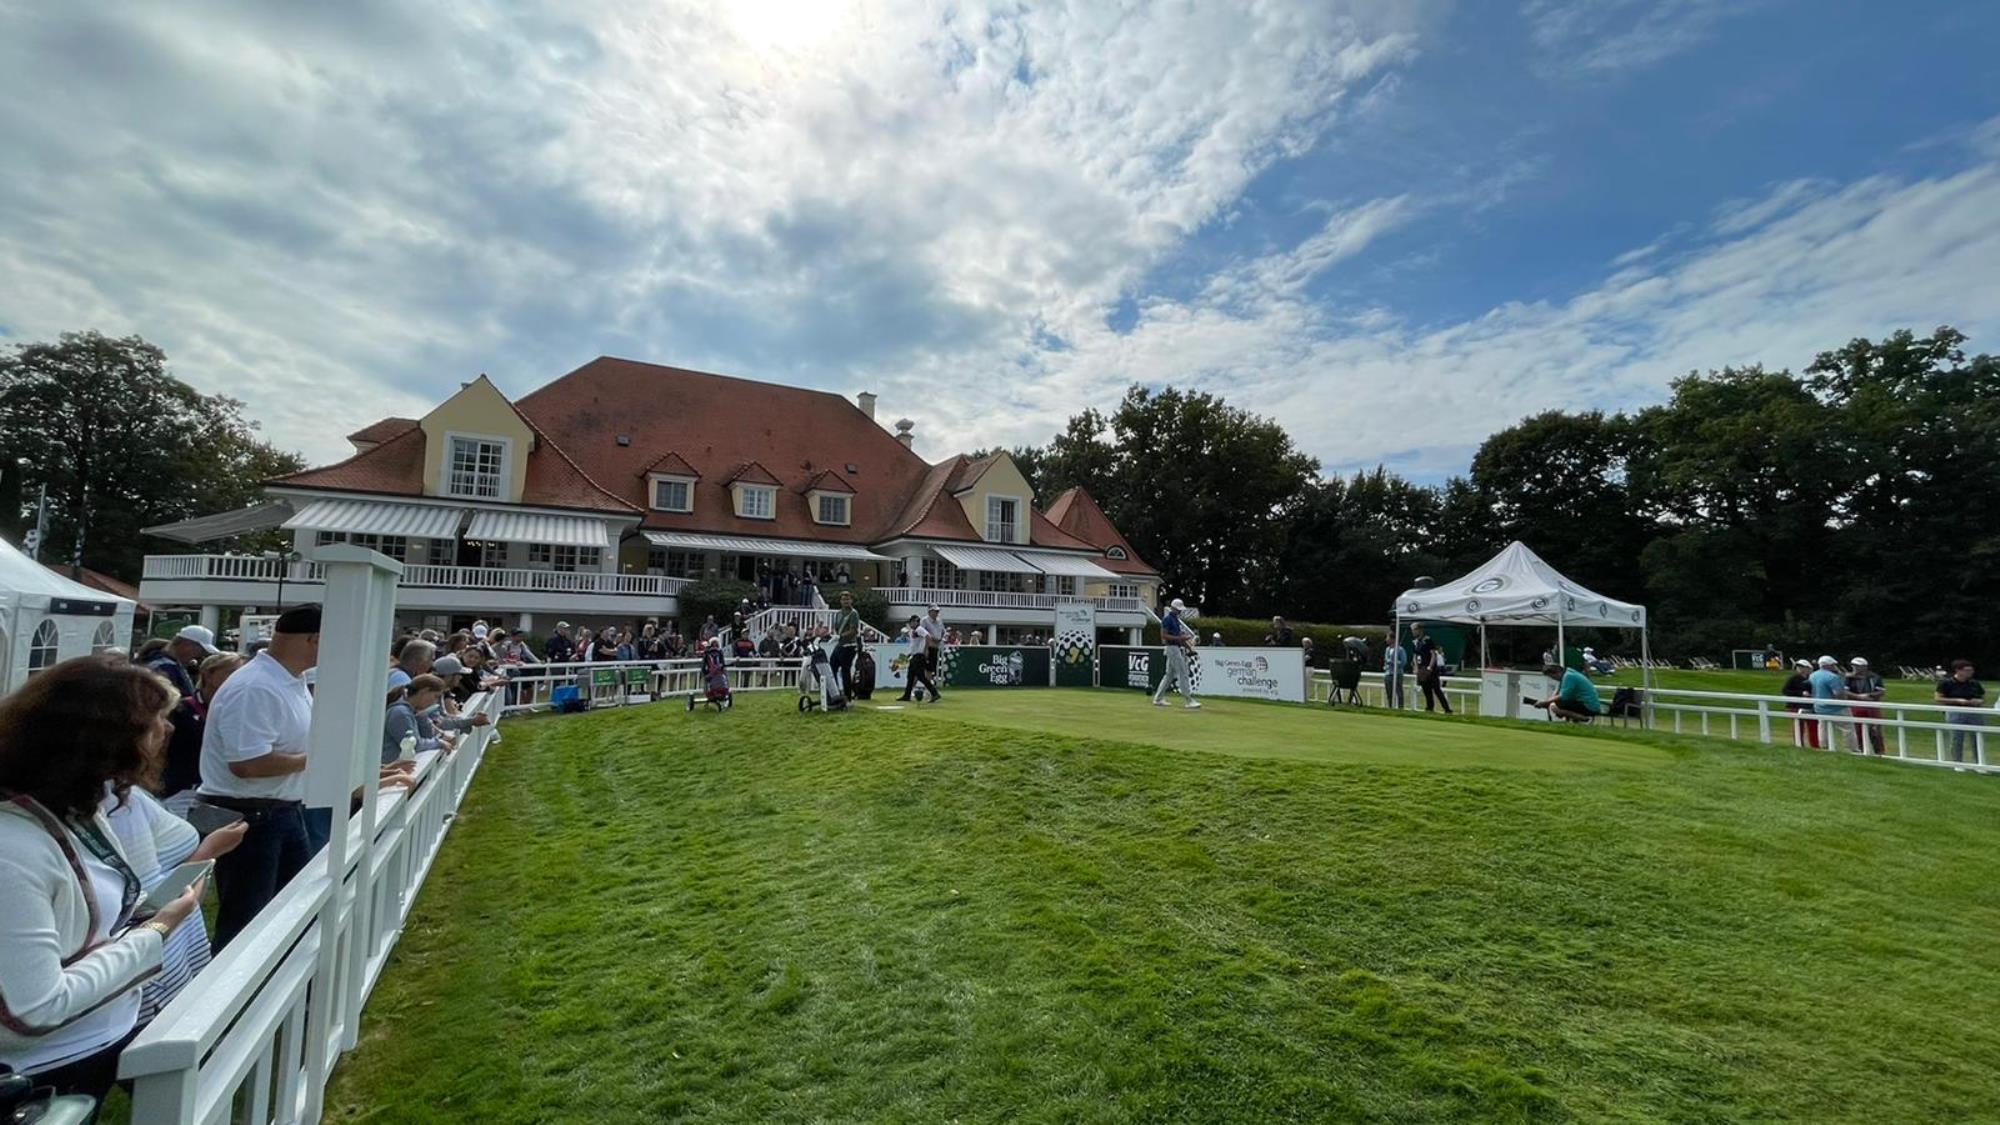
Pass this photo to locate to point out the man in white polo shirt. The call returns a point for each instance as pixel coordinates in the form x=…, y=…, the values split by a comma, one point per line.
x=253, y=760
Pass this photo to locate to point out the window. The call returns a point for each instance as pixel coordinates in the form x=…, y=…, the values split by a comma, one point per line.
x=993, y=581
x=833, y=509
x=476, y=467
x=1115, y=553
x=394, y=546
x=106, y=638
x=673, y=495
x=441, y=552
x=674, y=564
x=939, y=575
x=1064, y=585
x=1000, y=520
x=756, y=502
x=42, y=647
x=488, y=553
x=1122, y=589
x=544, y=556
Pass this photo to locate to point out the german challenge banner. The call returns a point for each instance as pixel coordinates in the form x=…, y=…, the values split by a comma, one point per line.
x=1075, y=648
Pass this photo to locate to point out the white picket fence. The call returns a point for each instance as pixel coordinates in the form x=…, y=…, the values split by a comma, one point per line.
x=1915, y=733
x=531, y=687
x=236, y=1045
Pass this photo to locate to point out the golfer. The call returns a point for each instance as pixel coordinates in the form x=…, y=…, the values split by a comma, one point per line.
x=1179, y=640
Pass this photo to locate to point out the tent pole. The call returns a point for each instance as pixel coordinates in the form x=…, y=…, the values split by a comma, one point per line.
x=1562, y=653
x=1484, y=660
x=1645, y=673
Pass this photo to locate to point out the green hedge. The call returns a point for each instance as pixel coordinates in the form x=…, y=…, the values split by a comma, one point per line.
x=712, y=597
x=873, y=607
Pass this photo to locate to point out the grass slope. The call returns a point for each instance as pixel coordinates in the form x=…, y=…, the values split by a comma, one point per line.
x=898, y=916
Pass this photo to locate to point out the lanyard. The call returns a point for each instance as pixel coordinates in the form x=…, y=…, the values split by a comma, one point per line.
x=106, y=853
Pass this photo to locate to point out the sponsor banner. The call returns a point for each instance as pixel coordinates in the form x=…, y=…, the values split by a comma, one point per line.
x=994, y=666
x=1238, y=673
x=1075, y=647
x=1136, y=668
x=892, y=666
x=1251, y=673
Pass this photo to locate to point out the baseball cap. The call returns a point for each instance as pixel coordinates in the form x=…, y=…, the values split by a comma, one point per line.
x=1801, y=663
x=298, y=621
x=446, y=666
x=1859, y=662
x=1827, y=662
x=199, y=635
x=398, y=679
x=1177, y=604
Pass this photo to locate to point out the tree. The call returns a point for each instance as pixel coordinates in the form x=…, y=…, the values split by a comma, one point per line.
x=1202, y=489
x=1557, y=482
x=121, y=444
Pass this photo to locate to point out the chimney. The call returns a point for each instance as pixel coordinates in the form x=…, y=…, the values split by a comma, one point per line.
x=903, y=428
x=866, y=400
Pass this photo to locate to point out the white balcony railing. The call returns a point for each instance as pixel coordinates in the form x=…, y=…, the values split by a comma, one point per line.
x=252, y=568
x=991, y=599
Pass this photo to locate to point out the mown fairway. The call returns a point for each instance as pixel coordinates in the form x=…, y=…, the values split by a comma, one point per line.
x=1065, y=906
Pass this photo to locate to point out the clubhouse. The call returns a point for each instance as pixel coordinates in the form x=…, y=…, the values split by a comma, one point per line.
x=598, y=497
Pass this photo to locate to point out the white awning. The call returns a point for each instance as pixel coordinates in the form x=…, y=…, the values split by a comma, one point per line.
x=377, y=517
x=746, y=545
x=990, y=559
x=225, y=525
x=539, y=527
x=1067, y=566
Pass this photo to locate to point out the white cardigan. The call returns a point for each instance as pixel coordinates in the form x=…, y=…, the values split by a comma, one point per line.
x=50, y=974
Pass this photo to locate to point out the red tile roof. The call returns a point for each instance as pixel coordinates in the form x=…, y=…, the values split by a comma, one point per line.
x=672, y=464
x=828, y=481
x=750, y=472
x=717, y=423
x=375, y=433
x=1077, y=513
x=719, y=430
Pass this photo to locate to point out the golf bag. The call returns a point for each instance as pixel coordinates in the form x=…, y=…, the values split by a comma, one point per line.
x=864, y=675
x=818, y=690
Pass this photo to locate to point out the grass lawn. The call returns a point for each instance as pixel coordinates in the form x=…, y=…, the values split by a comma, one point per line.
x=1069, y=906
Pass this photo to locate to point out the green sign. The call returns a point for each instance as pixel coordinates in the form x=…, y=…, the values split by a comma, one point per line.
x=1138, y=668
x=994, y=666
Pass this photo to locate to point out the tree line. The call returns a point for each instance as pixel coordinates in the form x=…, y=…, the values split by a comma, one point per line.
x=1848, y=508
x=117, y=443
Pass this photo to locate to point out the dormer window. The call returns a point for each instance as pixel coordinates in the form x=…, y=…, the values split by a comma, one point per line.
x=476, y=467
x=673, y=494
x=1114, y=553
x=756, y=501
x=1002, y=519
x=832, y=509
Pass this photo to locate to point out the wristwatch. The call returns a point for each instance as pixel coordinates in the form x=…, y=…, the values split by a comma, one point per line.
x=161, y=928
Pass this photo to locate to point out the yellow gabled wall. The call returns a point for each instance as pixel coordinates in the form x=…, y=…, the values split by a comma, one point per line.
x=1002, y=478
x=478, y=409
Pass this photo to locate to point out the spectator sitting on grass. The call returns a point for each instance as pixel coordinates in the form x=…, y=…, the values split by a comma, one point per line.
x=1576, y=698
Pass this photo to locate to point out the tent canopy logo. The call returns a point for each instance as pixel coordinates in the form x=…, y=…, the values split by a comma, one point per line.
x=1491, y=585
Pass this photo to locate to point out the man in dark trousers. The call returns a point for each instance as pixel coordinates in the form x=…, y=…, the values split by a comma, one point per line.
x=846, y=642
x=1430, y=676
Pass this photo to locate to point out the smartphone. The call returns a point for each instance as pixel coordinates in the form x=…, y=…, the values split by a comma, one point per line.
x=208, y=818
x=171, y=887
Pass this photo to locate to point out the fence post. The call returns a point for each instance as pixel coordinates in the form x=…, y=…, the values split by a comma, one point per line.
x=348, y=702
x=1764, y=721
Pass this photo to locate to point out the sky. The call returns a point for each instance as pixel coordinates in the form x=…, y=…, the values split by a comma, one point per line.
x=1394, y=226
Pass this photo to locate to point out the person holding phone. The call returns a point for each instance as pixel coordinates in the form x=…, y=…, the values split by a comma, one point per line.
x=72, y=959
x=157, y=843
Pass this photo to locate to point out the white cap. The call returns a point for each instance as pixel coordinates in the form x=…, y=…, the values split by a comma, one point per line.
x=479, y=630
x=1859, y=662
x=1828, y=662
x=1801, y=663
x=200, y=635
x=1177, y=604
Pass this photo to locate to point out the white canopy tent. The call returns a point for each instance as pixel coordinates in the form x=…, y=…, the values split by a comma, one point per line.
x=1515, y=587
x=45, y=618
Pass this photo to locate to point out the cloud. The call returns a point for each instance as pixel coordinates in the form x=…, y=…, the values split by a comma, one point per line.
x=1772, y=280
x=1596, y=37
x=340, y=217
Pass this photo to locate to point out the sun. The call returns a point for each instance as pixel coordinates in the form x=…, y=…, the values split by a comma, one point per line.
x=785, y=25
